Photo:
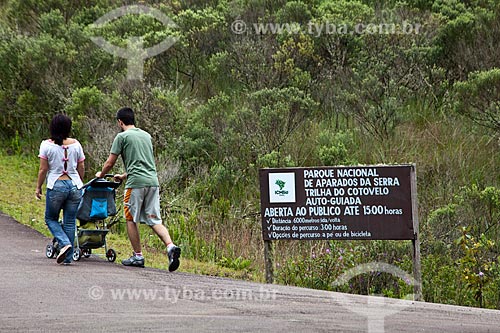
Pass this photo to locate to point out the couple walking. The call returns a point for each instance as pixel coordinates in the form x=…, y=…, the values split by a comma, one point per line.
x=62, y=166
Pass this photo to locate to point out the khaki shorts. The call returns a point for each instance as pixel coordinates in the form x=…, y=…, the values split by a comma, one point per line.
x=142, y=205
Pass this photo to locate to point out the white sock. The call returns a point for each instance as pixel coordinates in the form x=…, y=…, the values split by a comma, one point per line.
x=170, y=246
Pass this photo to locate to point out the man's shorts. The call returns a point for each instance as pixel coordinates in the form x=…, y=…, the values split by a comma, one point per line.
x=142, y=205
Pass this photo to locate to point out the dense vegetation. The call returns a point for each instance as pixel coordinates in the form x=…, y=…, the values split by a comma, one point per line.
x=220, y=104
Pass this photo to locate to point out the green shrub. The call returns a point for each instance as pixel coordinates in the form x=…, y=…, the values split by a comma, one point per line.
x=336, y=148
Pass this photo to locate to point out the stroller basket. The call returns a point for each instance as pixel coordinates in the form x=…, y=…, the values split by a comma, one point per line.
x=92, y=238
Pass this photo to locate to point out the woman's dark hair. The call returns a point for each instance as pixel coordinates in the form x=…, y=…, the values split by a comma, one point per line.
x=59, y=128
x=126, y=115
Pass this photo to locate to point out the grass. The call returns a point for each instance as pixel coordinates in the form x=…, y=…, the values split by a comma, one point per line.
x=18, y=176
x=17, y=191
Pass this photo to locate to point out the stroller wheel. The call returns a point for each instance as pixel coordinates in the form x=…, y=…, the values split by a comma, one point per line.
x=86, y=253
x=50, y=251
x=77, y=254
x=111, y=255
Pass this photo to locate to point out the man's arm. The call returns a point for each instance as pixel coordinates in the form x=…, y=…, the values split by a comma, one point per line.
x=108, y=165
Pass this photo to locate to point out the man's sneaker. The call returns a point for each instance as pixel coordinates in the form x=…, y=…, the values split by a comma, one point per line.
x=173, y=258
x=62, y=254
x=134, y=261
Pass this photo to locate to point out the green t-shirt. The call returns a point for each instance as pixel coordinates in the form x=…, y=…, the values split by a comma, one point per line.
x=137, y=153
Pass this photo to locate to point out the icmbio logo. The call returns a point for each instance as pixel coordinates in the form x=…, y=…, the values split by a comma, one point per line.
x=282, y=187
x=281, y=184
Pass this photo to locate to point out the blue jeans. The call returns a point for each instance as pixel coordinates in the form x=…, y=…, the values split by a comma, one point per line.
x=65, y=196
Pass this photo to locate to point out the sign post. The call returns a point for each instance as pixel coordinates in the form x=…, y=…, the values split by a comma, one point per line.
x=268, y=258
x=340, y=203
x=417, y=268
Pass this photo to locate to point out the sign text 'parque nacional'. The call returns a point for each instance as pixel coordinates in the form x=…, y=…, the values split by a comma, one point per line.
x=358, y=202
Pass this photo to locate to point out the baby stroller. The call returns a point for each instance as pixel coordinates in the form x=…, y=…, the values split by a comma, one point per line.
x=98, y=203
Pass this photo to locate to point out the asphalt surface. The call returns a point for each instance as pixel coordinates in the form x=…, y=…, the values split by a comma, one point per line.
x=94, y=295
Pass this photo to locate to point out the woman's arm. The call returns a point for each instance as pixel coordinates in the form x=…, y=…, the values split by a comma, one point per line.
x=80, y=167
x=42, y=173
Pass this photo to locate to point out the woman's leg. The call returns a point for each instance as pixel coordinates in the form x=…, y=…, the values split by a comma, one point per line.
x=54, y=203
x=69, y=212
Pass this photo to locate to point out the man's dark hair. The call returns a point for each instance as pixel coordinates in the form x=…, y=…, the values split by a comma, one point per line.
x=59, y=128
x=126, y=115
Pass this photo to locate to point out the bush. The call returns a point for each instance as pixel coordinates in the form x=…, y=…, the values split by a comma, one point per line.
x=335, y=148
x=478, y=98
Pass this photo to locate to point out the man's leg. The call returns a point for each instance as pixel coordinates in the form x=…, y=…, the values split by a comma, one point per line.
x=132, y=201
x=135, y=240
x=173, y=251
x=134, y=236
x=162, y=232
x=152, y=212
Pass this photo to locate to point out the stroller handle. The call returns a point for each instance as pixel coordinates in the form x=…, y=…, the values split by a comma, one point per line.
x=104, y=182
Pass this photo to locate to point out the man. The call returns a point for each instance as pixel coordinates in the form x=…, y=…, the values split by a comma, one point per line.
x=142, y=196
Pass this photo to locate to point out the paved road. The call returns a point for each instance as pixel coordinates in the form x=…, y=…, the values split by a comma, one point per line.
x=93, y=295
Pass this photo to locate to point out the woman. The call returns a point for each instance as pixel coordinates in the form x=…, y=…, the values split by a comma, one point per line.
x=61, y=163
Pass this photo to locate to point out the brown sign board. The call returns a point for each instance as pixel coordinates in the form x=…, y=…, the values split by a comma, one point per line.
x=337, y=203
